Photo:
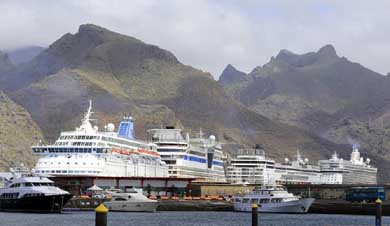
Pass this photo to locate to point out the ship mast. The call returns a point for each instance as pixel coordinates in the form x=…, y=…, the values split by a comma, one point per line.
x=86, y=125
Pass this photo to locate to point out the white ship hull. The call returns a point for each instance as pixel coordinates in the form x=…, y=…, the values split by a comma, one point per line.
x=132, y=206
x=88, y=152
x=296, y=206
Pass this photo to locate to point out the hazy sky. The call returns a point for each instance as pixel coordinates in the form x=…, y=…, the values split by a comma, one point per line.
x=210, y=34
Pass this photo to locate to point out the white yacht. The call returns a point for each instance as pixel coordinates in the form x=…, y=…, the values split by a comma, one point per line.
x=354, y=171
x=90, y=152
x=200, y=157
x=272, y=199
x=131, y=201
x=29, y=193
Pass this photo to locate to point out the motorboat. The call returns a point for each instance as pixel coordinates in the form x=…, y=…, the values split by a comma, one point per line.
x=272, y=199
x=131, y=201
x=29, y=193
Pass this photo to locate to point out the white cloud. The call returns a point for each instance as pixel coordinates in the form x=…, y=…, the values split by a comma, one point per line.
x=210, y=34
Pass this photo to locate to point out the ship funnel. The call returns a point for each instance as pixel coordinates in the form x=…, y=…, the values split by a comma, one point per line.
x=126, y=128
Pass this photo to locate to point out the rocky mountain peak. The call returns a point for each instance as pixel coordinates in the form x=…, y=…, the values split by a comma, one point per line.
x=284, y=53
x=288, y=59
x=97, y=34
x=231, y=75
x=327, y=51
x=5, y=61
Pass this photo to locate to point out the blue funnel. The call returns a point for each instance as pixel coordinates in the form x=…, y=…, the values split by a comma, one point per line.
x=126, y=128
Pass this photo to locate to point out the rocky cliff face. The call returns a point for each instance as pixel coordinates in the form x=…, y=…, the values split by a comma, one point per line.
x=17, y=133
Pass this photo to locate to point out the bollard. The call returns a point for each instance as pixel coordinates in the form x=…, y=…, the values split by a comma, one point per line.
x=101, y=215
x=378, y=217
x=254, y=215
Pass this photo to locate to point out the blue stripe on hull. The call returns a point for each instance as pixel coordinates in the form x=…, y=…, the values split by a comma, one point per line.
x=201, y=160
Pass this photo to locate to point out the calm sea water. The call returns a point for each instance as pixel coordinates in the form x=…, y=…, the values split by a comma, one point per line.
x=184, y=219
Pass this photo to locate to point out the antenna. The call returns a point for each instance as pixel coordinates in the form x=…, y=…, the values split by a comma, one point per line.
x=85, y=122
x=298, y=155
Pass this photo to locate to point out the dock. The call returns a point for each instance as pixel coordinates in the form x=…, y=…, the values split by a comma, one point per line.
x=324, y=206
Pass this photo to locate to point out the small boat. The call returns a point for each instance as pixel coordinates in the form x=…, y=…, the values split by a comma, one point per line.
x=272, y=199
x=29, y=193
x=131, y=201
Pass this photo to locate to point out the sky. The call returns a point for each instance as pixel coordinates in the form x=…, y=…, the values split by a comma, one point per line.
x=208, y=35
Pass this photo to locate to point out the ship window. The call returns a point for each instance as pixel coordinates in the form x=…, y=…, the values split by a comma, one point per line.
x=37, y=184
x=120, y=199
x=254, y=200
x=28, y=185
x=238, y=200
x=264, y=200
x=245, y=200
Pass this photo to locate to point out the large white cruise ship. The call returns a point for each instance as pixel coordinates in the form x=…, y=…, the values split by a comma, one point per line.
x=89, y=152
x=250, y=166
x=354, y=171
x=298, y=171
x=200, y=158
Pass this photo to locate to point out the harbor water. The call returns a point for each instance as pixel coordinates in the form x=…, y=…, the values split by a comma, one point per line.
x=184, y=219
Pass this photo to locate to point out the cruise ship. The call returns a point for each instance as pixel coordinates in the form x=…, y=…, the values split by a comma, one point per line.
x=200, y=158
x=109, y=153
x=298, y=171
x=250, y=166
x=354, y=171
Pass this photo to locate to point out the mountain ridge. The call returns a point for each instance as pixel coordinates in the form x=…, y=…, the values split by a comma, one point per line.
x=322, y=93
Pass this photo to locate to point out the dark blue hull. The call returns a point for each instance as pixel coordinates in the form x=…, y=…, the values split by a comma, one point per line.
x=37, y=204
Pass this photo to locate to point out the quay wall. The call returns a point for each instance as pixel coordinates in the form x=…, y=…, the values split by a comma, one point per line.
x=320, y=191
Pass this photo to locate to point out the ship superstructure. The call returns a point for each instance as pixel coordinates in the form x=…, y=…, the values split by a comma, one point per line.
x=200, y=157
x=354, y=171
x=298, y=171
x=250, y=166
x=90, y=152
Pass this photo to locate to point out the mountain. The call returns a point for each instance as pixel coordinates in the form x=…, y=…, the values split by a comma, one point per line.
x=323, y=93
x=17, y=133
x=24, y=54
x=125, y=76
x=232, y=75
x=5, y=63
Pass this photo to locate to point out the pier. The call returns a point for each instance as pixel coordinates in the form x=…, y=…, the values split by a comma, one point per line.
x=78, y=185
